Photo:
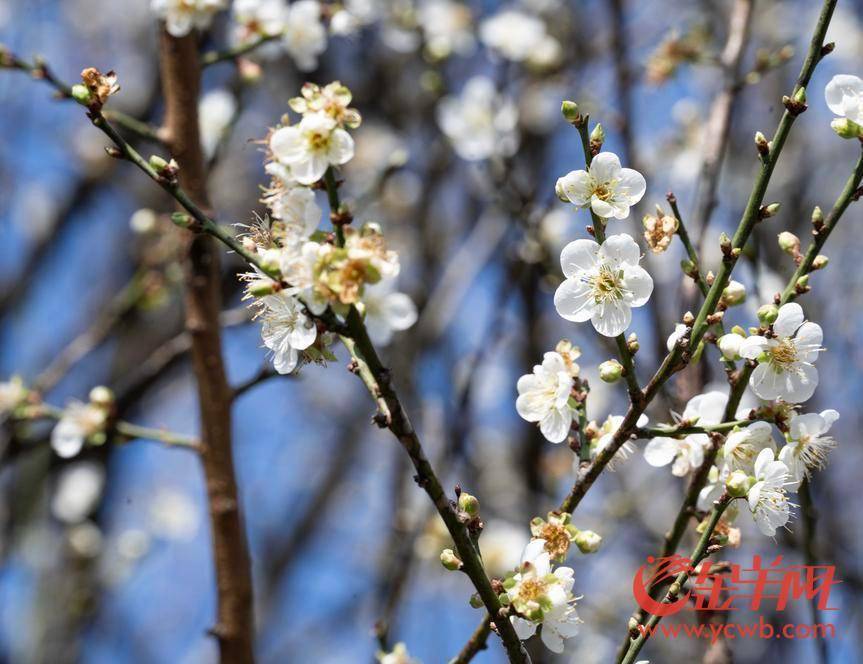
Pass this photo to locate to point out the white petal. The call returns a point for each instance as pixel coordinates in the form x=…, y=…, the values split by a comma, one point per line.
x=632, y=185
x=767, y=383
x=286, y=361
x=639, y=282
x=601, y=208
x=800, y=384
x=789, y=319
x=839, y=88
x=341, y=148
x=752, y=347
x=555, y=426
x=579, y=256
x=286, y=144
x=829, y=416
x=807, y=424
x=661, y=451
x=552, y=640
x=605, y=167
x=524, y=629
x=620, y=249
x=67, y=439
x=574, y=300
x=399, y=311
x=808, y=341
x=612, y=319
x=576, y=186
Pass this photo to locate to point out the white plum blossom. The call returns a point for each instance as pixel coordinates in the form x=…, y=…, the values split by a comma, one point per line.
x=479, y=122
x=446, y=26
x=603, y=283
x=183, y=16
x=605, y=187
x=78, y=422
x=542, y=597
x=808, y=443
x=311, y=146
x=785, y=370
x=687, y=453
x=387, y=311
x=215, y=113
x=729, y=345
x=78, y=489
x=768, y=498
x=844, y=95
x=264, y=18
x=543, y=396
x=606, y=436
x=286, y=329
x=517, y=36
x=296, y=208
x=304, y=34
x=743, y=446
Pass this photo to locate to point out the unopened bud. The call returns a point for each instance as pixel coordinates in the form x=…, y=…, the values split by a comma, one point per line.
x=762, y=144
x=725, y=243
x=803, y=282
x=688, y=319
x=734, y=293
x=468, y=504
x=610, y=371
x=569, y=110
x=729, y=346
x=157, y=163
x=476, y=601
x=817, y=217
x=846, y=128
x=101, y=396
x=767, y=314
x=587, y=541
x=81, y=94
x=597, y=137
x=632, y=343
x=769, y=210
x=789, y=243
x=182, y=219
x=800, y=95
x=820, y=262
x=739, y=483
x=450, y=561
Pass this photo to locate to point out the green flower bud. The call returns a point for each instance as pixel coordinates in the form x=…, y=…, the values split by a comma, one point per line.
x=610, y=371
x=739, y=483
x=81, y=94
x=569, y=110
x=450, y=561
x=803, y=282
x=767, y=314
x=820, y=262
x=817, y=216
x=468, y=504
x=800, y=95
x=846, y=128
x=588, y=541
x=734, y=293
x=476, y=601
x=770, y=210
x=158, y=163
x=597, y=136
x=789, y=243
x=729, y=346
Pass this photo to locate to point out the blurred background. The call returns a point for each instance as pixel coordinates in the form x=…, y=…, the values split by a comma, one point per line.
x=106, y=557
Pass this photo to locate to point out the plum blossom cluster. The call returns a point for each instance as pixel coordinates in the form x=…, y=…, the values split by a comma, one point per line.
x=183, y=16
x=541, y=598
x=750, y=463
x=319, y=270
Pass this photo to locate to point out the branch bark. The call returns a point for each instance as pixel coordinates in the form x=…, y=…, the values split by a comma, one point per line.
x=181, y=85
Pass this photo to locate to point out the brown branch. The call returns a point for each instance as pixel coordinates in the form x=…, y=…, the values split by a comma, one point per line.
x=234, y=630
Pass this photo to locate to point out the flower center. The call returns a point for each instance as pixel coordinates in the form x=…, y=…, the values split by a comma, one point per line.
x=556, y=539
x=531, y=590
x=784, y=353
x=607, y=285
x=318, y=141
x=602, y=191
